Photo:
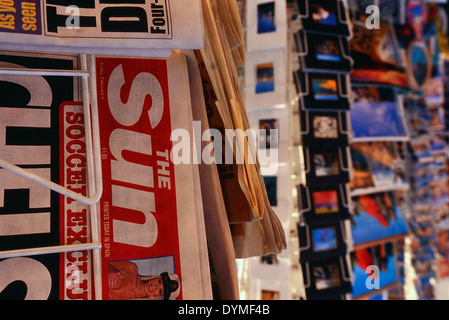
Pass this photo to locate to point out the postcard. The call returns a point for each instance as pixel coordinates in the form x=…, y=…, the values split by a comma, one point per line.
x=324, y=128
x=271, y=186
x=325, y=89
x=268, y=134
x=380, y=256
x=325, y=16
x=421, y=148
x=322, y=91
x=265, y=81
x=324, y=239
x=265, y=77
x=376, y=55
x=418, y=116
x=266, y=25
x=266, y=17
x=323, y=204
x=419, y=60
x=321, y=241
x=326, y=277
x=326, y=165
x=377, y=216
x=319, y=52
x=377, y=115
x=377, y=165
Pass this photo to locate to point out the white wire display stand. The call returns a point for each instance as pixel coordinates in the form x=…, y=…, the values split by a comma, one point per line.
x=93, y=155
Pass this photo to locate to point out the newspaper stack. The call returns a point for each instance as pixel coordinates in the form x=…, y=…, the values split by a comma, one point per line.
x=149, y=28
x=256, y=230
x=148, y=225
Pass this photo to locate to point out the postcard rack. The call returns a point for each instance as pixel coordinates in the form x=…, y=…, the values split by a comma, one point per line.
x=87, y=75
x=322, y=84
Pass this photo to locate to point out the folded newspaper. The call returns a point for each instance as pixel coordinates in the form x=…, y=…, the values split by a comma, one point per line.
x=150, y=215
x=148, y=28
x=256, y=229
x=221, y=248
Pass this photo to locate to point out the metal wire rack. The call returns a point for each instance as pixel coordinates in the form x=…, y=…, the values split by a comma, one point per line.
x=94, y=177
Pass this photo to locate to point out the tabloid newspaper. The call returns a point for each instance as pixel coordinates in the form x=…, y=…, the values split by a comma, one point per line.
x=147, y=27
x=150, y=214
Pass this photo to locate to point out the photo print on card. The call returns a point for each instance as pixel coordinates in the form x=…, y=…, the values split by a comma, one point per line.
x=377, y=166
x=376, y=55
x=381, y=256
x=377, y=114
x=417, y=115
x=268, y=133
x=325, y=89
x=325, y=16
x=322, y=91
x=271, y=186
x=326, y=166
x=320, y=52
x=378, y=216
x=265, y=77
x=327, y=50
x=322, y=241
x=270, y=119
x=269, y=295
x=394, y=9
x=266, y=25
x=323, y=204
x=263, y=85
x=324, y=128
x=266, y=17
x=325, y=277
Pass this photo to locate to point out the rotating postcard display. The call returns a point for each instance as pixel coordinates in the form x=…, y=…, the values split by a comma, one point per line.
x=322, y=85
